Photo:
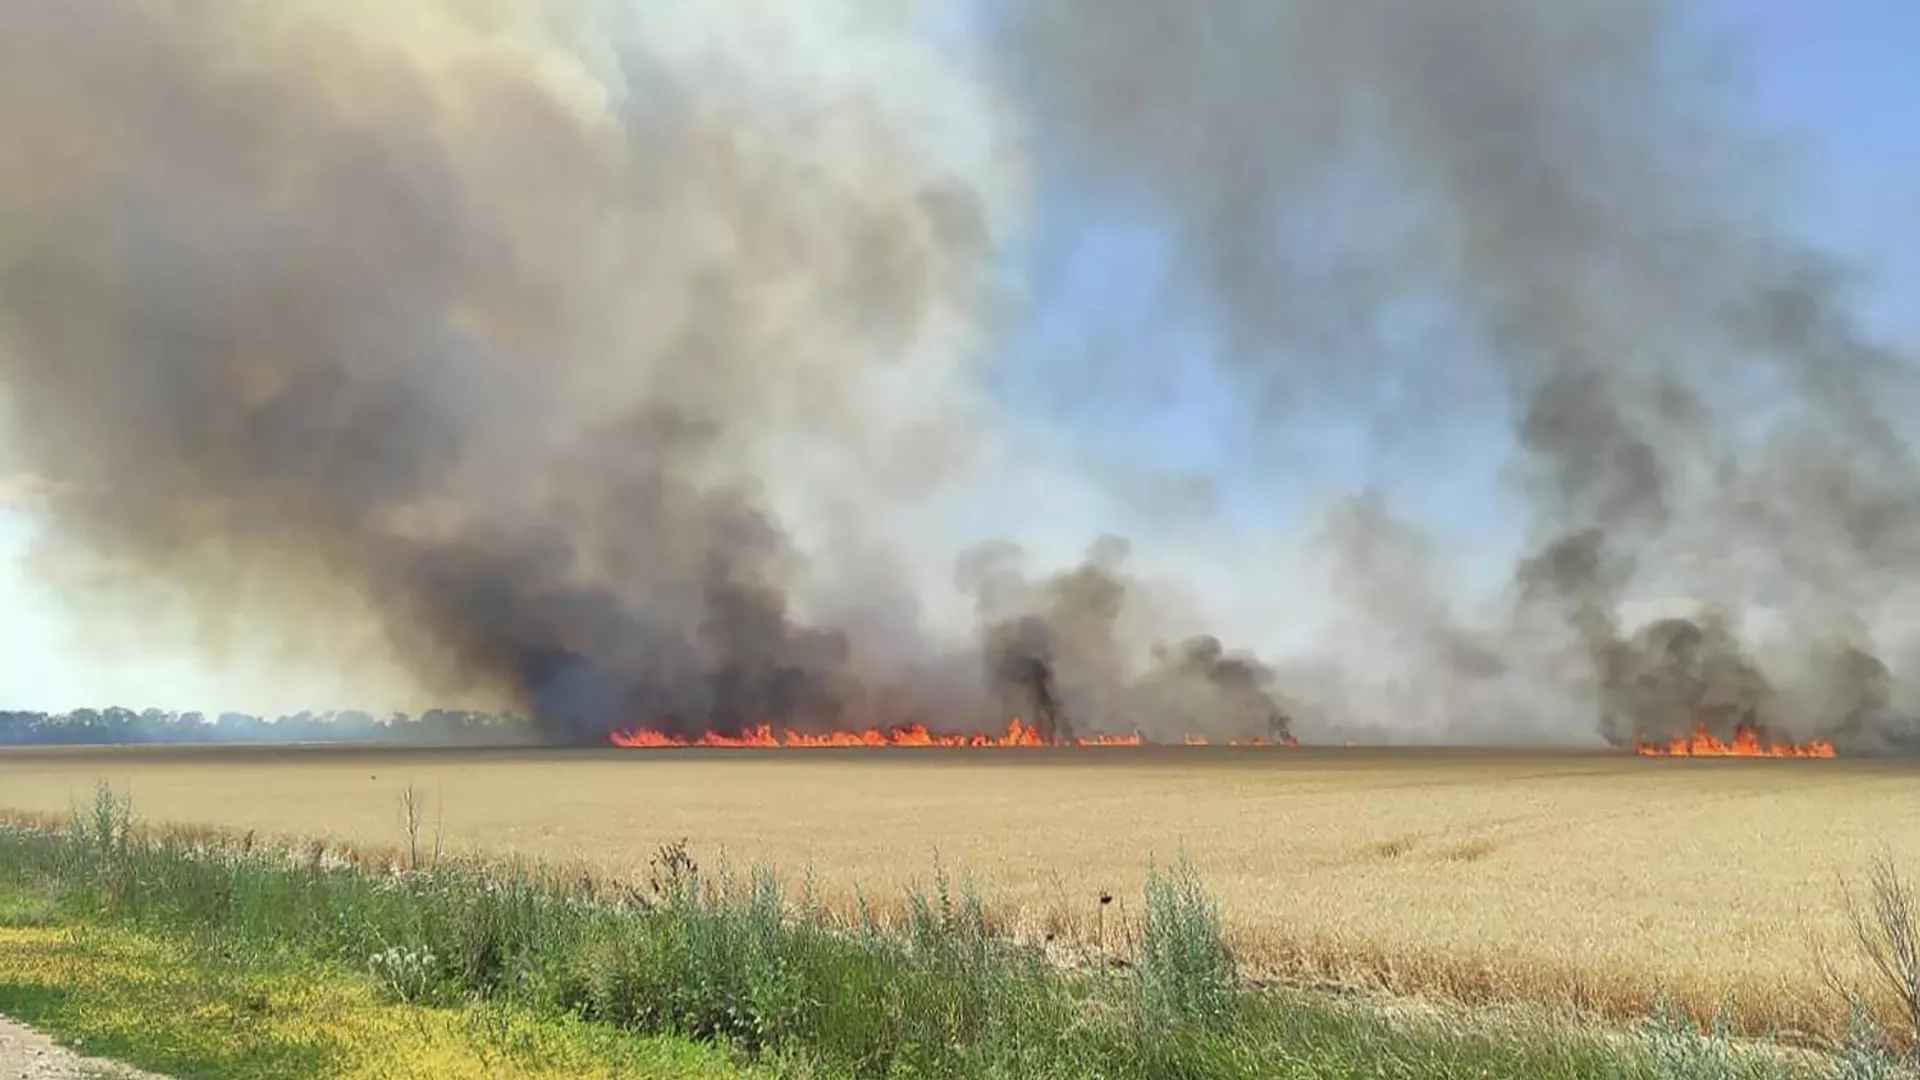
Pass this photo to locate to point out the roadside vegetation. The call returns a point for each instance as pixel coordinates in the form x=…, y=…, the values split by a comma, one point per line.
x=207, y=955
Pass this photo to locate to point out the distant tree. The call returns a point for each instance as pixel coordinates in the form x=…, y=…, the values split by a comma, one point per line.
x=115, y=724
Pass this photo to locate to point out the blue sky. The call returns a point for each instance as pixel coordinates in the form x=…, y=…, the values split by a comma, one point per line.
x=1843, y=81
x=1840, y=79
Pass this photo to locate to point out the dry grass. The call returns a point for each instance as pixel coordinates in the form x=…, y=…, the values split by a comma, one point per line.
x=1588, y=880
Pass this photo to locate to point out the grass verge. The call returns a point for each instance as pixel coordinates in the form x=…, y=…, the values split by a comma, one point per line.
x=180, y=952
x=165, y=1006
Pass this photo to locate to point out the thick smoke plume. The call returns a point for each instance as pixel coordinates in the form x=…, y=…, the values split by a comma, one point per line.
x=521, y=344
x=1064, y=651
x=591, y=354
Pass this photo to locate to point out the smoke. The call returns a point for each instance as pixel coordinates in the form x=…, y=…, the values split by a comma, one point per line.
x=1551, y=196
x=530, y=350
x=1075, y=651
x=595, y=356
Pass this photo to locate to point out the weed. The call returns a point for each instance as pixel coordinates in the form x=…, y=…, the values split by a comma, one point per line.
x=1885, y=927
x=1862, y=1053
x=1678, y=1050
x=1185, y=968
x=405, y=974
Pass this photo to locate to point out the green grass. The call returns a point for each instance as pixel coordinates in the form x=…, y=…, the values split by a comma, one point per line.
x=164, y=1006
x=464, y=956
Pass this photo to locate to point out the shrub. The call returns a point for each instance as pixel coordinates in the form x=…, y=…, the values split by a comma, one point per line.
x=1186, y=971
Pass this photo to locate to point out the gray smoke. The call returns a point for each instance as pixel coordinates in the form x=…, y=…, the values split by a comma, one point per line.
x=590, y=354
x=1695, y=410
x=1073, y=653
x=523, y=349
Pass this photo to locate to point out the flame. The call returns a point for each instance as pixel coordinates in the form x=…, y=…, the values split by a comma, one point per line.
x=1747, y=742
x=766, y=737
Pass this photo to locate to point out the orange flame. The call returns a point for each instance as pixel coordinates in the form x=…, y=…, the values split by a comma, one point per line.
x=1747, y=742
x=766, y=737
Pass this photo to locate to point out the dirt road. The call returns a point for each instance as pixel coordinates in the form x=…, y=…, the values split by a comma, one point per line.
x=25, y=1054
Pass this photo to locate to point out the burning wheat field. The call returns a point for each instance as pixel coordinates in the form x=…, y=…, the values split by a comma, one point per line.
x=1040, y=438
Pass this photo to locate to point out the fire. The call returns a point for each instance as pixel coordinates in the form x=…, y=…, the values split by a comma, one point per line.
x=1747, y=742
x=767, y=737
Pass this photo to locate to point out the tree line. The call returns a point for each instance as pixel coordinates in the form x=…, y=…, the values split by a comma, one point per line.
x=96, y=727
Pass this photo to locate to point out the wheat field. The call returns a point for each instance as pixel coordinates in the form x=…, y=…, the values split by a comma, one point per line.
x=1585, y=879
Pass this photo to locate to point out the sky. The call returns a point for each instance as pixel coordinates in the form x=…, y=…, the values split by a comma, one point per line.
x=1837, y=80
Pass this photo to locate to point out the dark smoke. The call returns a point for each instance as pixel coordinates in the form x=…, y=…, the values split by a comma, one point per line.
x=1020, y=663
x=1059, y=650
x=592, y=357
x=297, y=295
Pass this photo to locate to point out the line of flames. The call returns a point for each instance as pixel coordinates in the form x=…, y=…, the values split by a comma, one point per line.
x=1747, y=742
x=767, y=737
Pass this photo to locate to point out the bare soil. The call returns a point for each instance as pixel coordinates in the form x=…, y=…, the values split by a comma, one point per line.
x=25, y=1054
